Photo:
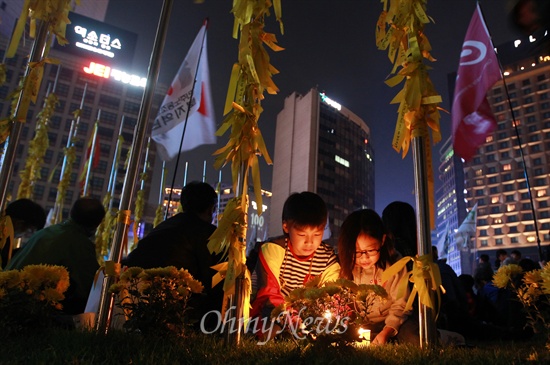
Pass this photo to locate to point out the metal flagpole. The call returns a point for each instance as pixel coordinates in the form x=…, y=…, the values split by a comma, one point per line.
x=161, y=190
x=219, y=196
x=114, y=169
x=36, y=54
x=185, y=173
x=426, y=315
x=237, y=300
x=121, y=233
x=58, y=209
x=204, y=171
x=92, y=155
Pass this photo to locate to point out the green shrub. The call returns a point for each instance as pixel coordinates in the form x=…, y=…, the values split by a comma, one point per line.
x=30, y=298
x=154, y=301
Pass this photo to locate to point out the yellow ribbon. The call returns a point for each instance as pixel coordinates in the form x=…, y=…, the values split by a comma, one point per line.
x=424, y=275
x=400, y=31
x=6, y=231
x=221, y=269
x=250, y=77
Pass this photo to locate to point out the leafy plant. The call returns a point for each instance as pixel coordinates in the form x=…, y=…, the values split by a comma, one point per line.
x=155, y=300
x=30, y=298
x=532, y=289
x=331, y=313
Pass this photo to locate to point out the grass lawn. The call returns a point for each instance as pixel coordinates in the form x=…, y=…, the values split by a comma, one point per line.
x=55, y=346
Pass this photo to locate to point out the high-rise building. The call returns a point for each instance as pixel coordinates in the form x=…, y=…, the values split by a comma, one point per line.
x=450, y=207
x=95, y=60
x=10, y=11
x=496, y=176
x=323, y=147
x=511, y=208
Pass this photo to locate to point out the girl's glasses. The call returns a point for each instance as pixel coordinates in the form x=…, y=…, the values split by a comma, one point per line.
x=369, y=253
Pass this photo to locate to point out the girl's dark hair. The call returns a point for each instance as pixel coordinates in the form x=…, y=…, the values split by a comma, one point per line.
x=305, y=209
x=400, y=221
x=361, y=222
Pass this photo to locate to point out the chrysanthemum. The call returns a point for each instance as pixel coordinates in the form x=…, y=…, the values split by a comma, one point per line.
x=504, y=275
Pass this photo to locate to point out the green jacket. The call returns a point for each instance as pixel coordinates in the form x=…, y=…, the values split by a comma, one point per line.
x=64, y=244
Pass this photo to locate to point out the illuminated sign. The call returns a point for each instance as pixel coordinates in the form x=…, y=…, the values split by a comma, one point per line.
x=97, y=69
x=99, y=42
x=330, y=102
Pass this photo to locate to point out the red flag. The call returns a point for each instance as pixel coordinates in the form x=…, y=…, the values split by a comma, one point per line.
x=478, y=71
x=170, y=121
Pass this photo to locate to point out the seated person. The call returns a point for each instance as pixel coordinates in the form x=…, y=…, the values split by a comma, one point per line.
x=288, y=262
x=365, y=253
x=26, y=217
x=68, y=244
x=182, y=241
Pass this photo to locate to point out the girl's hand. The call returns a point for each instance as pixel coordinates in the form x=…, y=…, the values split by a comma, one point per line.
x=383, y=336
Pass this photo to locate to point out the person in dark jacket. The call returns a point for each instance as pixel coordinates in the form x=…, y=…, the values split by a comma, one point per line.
x=26, y=217
x=68, y=244
x=181, y=241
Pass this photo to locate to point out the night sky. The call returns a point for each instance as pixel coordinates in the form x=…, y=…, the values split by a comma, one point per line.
x=329, y=44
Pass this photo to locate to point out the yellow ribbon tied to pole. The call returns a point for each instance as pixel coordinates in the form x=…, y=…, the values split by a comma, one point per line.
x=400, y=31
x=425, y=277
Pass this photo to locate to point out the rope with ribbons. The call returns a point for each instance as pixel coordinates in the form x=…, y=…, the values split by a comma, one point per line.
x=250, y=77
x=6, y=232
x=400, y=31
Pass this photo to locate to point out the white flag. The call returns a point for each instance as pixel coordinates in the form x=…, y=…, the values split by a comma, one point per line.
x=443, y=243
x=170, y=121
x=467, y=229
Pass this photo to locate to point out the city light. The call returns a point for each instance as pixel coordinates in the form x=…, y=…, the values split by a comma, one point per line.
x=330, y=102
x=97, y=69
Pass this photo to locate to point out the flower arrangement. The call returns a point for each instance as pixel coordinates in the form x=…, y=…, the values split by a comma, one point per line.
x=30, y=298
x=155, y=301
x=533, y=291
x=331, y=313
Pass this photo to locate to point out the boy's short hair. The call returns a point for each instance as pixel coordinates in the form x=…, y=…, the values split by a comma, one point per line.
x=501, y=251
x=305, y=209
x=87, y=212
x=197, y=197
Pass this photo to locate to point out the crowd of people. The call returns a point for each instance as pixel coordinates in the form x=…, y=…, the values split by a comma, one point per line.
x=368, y=244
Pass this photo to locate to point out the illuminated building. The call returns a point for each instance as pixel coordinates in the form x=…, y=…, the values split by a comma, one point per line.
x=450, y=208
x=323, y=147
x=116, y=94
x=495, y=177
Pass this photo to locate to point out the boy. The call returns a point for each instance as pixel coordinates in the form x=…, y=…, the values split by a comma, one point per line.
x=289, y=262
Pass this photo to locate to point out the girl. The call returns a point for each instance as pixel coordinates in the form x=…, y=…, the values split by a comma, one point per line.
x=365, y=253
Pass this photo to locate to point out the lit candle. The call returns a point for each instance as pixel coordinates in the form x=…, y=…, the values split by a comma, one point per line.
x=364, y=337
